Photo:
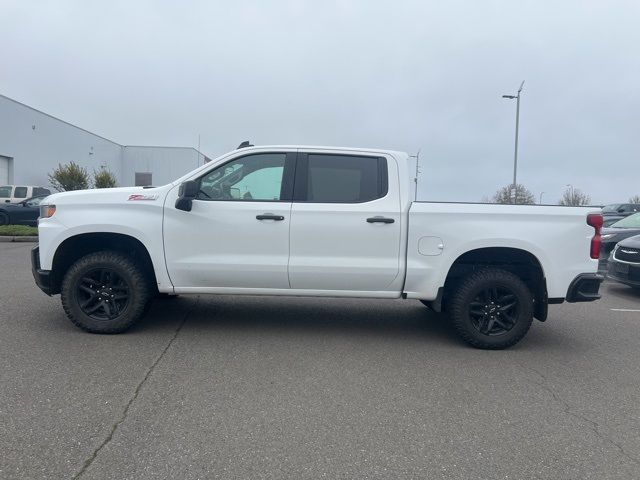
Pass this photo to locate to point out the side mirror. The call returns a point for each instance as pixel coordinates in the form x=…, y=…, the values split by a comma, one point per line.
x=621, y=210
x=188, y=191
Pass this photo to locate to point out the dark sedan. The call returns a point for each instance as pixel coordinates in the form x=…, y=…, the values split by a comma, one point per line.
x=624, y=263
x=625, y=228
x=23, y=213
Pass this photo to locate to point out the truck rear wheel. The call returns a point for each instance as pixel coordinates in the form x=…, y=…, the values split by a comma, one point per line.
x=491, y=309
x=104, y=292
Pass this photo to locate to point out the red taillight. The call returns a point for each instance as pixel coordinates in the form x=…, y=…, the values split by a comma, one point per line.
x=595, y=220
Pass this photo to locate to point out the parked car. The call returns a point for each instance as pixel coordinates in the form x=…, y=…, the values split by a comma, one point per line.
x=620, y=209
x=624, y=228
x=611, y=219
x=624, y=262
x=23, y=213
x=18, y=193
x=314, y=221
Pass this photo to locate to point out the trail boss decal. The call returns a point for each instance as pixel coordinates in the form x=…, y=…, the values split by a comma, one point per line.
x=142, y=197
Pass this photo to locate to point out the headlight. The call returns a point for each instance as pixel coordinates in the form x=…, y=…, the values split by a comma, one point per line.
x=47, y=211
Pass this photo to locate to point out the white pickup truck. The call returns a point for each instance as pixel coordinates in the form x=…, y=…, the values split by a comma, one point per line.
x=314, y=221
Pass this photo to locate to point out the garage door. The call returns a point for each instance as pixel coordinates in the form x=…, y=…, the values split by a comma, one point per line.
x=4, y=170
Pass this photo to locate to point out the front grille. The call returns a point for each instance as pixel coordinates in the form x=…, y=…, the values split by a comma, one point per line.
x=627, y=254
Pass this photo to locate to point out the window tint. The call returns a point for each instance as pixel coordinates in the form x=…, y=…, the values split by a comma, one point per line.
x=143, y=179
x=345, y=179
x=632, y=221
x=254, y=177
x=40, y=191
x=5, y=192
x=20, y=192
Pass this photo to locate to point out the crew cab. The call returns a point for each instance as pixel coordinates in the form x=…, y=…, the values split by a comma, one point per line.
x=314, y=221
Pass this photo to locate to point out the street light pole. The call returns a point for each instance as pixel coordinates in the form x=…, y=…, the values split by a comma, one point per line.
x=515, y=153
x=540, y=202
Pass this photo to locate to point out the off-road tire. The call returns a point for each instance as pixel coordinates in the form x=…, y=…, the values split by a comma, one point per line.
x=127, y=270
x=467, y=291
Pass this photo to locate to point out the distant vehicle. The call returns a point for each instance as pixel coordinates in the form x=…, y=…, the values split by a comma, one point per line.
x=23, y=213
x=620, y=209
x=624, y=263
x=611, y=219
x=18, y=193
x=610, y=236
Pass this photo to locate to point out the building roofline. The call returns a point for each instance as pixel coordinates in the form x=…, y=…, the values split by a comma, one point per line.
x=164, y=146
x=91, y=133
x=59, y=120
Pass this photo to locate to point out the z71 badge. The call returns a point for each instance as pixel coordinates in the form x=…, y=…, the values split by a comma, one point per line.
x=143, y=197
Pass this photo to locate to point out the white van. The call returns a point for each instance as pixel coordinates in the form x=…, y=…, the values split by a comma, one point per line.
x=18, y=193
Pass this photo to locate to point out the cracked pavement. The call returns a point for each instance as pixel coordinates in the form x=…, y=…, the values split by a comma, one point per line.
x=250, y=387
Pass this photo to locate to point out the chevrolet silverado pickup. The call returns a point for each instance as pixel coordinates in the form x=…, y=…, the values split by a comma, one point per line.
x=314, y=221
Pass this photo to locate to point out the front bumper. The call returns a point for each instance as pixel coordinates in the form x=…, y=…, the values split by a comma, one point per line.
x=585, y=288
x=623, y=272
x=42, y=277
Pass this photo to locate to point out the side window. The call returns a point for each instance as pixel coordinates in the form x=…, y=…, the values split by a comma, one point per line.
x=34, y=202
x=253, y=177
x=37, y=191
x=20, y=192
x=344, y=179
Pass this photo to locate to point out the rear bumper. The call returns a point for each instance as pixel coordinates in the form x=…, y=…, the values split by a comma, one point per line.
x=627, y=273
x=585, y=288
x=42, y=277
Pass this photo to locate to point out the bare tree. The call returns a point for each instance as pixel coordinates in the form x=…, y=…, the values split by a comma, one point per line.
x=520, y=195
x=635, y=199
x=574, y=197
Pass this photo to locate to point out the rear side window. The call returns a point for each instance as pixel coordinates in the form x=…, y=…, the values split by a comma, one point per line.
x=20, y=192
x=341, y=179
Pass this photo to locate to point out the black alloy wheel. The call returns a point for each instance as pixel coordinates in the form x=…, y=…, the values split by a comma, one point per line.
x=490, y=308
x=105, y=292
x=102, y=294
x=494, y=310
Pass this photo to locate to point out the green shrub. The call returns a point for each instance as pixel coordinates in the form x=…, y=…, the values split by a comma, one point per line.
x=69, y=177
x=104, y=178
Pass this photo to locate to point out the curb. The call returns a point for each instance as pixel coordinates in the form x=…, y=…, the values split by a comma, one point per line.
x=6, y=239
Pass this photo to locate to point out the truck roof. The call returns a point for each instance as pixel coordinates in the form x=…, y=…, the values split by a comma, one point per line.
x=327, y=147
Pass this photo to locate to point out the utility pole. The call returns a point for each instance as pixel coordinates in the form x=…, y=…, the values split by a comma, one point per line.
x=515, y=153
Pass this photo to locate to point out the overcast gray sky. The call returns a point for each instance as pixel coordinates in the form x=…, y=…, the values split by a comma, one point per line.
x=404, y=75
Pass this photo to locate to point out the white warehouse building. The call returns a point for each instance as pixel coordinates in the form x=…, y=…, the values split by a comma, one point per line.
x=33, y=143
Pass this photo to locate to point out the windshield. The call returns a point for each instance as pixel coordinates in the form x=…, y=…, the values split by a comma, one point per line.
x=5, y=191
x=613, y=208
x=632, y=221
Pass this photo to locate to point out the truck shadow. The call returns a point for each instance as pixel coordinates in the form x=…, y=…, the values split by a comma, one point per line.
x=397, y=320
x=311, y=316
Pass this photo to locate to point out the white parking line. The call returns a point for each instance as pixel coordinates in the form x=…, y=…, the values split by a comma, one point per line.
x=624, y=310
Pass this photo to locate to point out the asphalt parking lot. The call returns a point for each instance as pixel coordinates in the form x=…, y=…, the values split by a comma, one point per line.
x=249, y=387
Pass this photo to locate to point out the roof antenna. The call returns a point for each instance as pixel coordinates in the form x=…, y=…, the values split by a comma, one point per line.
x=244, y=144
x=415, y=179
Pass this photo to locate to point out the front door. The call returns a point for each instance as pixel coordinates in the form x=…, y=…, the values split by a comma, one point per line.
x=345, y=223
x=237, y=234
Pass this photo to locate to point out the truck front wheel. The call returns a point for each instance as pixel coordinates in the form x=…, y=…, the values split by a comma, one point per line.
x=104, y=292
x=491, y=309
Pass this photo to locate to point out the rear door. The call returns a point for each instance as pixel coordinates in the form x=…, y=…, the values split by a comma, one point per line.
x=345, y=223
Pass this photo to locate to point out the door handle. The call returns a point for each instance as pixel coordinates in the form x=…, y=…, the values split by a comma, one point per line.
x=380, y=220
x=270, y=216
